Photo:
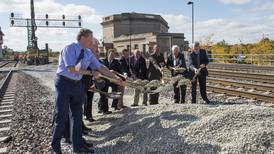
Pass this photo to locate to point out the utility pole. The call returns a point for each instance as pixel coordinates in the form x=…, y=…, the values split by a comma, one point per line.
x=32, y=25
x=192, y=4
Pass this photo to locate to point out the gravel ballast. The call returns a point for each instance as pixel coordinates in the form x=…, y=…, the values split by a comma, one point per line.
x=165, y=128
x=32, y=117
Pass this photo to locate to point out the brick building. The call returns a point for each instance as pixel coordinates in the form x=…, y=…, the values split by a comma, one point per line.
x=141, y=31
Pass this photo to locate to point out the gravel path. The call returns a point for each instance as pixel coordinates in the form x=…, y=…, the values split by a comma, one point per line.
x=242, y=127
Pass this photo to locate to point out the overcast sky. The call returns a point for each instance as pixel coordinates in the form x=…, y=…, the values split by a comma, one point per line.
x=231, y=20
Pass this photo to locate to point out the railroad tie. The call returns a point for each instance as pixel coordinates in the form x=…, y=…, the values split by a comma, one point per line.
x=4, y=139
x=5, y=106
x=3, y=150
x=6, y=102
x=4, y=129
x=3, y=116
x=5, y=111
x=5, y=122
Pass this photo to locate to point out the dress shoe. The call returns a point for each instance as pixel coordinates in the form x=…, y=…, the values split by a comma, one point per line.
x=117, y=108
x=133, y=105
x=91, y=119
x=107, y=112
x=209, y=102
x=176, y=102
x=88, y=144
x=124, y=107
x=100, y=111
x=85, y=150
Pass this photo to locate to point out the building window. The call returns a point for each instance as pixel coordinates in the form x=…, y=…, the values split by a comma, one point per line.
x=144, y=48
x=136, y=46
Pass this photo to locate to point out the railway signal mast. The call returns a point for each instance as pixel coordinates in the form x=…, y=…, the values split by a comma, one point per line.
x=33, y=23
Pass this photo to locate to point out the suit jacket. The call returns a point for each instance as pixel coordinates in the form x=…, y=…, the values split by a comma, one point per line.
x=155, y=61
x=193, y=61
x=87, y=81
x=115, y=66
x=139, y=68
x=101, y=85
x=180, y=63
x=125, y=66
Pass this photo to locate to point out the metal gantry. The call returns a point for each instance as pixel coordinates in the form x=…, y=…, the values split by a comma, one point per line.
x=33, y=23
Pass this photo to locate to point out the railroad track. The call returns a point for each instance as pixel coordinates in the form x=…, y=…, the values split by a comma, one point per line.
x=240, y=93
x=255, y=86
x=232, y=91
x=257, y=77
x=4, y=64
x=240, y=67
x=7, y=94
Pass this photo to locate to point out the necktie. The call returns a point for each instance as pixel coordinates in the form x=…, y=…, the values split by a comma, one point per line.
x=80, y=57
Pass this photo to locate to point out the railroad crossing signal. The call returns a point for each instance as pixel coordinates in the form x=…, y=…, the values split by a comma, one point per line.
x=45, y=22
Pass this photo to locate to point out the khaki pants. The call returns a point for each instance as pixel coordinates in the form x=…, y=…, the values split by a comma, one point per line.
x=136, y=97
x=120, y=100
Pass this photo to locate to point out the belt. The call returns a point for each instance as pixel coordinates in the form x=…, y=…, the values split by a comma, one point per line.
x=68, y=79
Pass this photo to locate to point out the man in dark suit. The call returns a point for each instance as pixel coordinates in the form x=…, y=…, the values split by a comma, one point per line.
x=88, y=82
x=139, y=71
x=124, y=61
x=126, y=71
x=177, y=60
x=113, y=64
x=198, y=60
x=156, y=62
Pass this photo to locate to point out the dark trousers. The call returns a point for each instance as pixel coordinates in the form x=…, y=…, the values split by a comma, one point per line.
x=69, y=100
x=153, y=98
x=179, y=92
x=103, y=101
x=67, y=130
x=88, y=105
x=202, y=83
x=114, y=88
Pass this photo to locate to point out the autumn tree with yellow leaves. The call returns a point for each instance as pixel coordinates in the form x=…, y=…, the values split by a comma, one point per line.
x=260, y=53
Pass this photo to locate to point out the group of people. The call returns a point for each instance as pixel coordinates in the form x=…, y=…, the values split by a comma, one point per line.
x=79, y=70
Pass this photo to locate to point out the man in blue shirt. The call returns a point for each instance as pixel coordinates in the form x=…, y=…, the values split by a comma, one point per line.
x=73, y=62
